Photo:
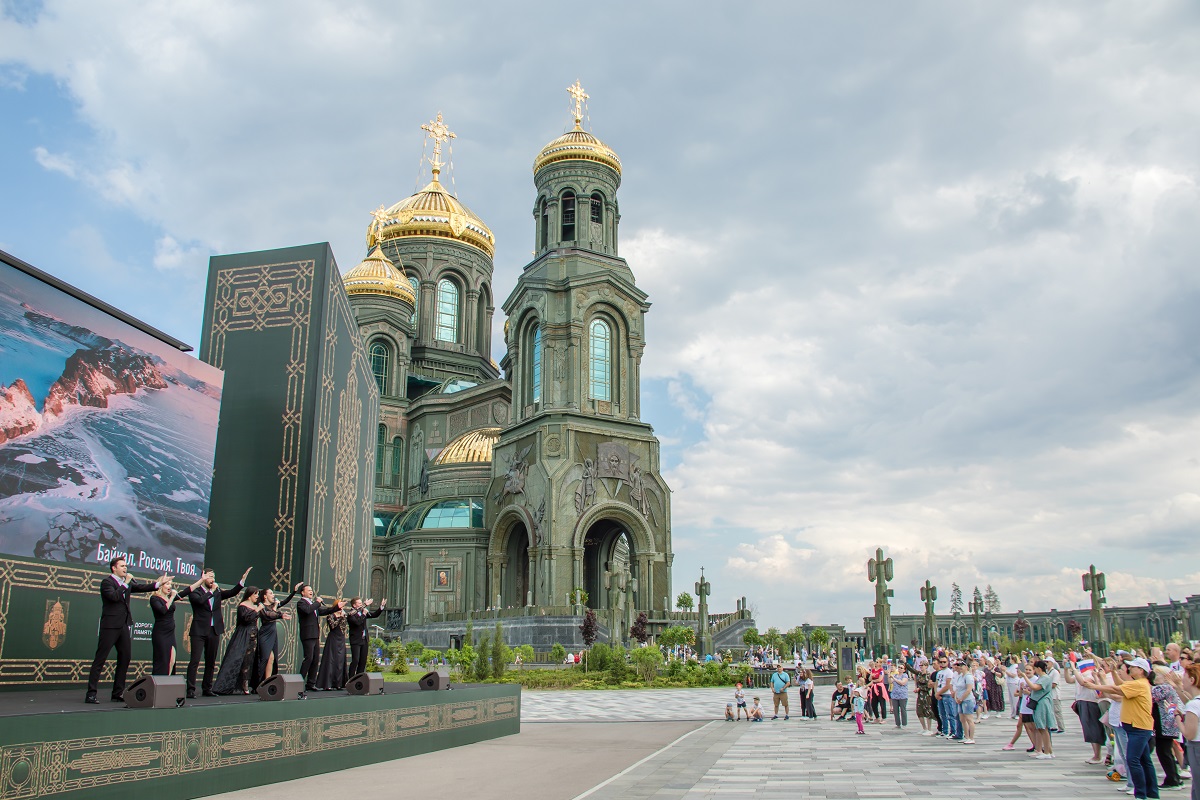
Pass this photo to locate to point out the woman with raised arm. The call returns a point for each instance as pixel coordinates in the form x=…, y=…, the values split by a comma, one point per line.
x=332, y=674
x=237, y=667
x=162, y=636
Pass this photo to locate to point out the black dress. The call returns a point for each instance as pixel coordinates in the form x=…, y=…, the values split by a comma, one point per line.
x=237, y=667
x=162, y=636
x=268, y=644
x=333, y=657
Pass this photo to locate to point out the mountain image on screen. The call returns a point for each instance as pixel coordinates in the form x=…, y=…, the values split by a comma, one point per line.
x=106, y=447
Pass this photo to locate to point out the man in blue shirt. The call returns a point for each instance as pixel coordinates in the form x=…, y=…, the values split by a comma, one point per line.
x=780, y=681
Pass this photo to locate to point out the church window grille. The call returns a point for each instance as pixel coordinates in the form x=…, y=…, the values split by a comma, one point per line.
x=535, y=377
x=545, y=220
x=447, y=311
x=568, y=216
x=397, y=453
x=597, y=209
x=601, y=360
x=380, y=453
x=416, y=287
x=381, y=365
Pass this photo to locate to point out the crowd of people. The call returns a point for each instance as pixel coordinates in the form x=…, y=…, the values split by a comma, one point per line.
x=1128, y=706
x=252, y=652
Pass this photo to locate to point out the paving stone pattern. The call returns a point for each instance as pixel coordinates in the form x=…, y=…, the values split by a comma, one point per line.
x=820, y=759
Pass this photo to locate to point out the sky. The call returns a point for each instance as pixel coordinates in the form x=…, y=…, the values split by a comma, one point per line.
x=923, y=275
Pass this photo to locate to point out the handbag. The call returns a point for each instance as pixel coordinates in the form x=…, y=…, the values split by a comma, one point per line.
x=1032, y=705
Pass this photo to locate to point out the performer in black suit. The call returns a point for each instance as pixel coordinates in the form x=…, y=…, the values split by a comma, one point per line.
x=356, y=621
x=116, y=627
x=207, y=626
x=309, y=608
x=162, y=638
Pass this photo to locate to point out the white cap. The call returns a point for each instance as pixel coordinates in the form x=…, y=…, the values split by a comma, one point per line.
x=1139, y=662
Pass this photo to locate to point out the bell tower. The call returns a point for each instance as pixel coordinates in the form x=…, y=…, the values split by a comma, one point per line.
x=577, y=502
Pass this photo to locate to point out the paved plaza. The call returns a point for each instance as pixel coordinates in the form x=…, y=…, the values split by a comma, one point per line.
x=675, y=744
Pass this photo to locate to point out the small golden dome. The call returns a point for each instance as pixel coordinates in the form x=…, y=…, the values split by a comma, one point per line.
x=377, y=275
x=577, y=145
x=432, y=212
x=472, y=447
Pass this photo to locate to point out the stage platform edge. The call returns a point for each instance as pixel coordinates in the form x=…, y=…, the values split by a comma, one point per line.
x=199, y=751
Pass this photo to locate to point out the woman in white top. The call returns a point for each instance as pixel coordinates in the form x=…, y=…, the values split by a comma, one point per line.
x=1189, y=723
x=1021, y=707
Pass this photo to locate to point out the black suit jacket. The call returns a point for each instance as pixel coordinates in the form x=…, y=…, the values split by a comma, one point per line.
x=357, y=620
x=205, y=618
x=309, y=611
x=116, y=614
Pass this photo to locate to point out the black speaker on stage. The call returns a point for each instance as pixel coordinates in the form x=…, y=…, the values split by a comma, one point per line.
x=284, y=686
x=435, y=681
x=365, y=683
x=157, y=691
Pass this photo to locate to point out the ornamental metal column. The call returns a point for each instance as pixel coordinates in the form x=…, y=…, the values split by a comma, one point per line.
x=1094, y=584
x=928, y=596
x=879, y=570
x=704, y=644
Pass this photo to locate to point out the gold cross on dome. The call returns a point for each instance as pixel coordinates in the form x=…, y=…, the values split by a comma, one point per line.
x=578, y=95
x=437, y=130
x=380, y=218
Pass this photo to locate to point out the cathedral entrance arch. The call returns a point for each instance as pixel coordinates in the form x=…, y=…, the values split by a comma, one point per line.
x=515, y=579
x=609, y=561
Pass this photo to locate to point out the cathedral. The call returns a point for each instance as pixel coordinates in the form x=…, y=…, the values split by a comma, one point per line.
x=529, y=489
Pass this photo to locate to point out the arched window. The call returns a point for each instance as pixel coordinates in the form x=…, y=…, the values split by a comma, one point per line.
x=545, y=220
x=397, y=458
x=568, y=216
x=597, y=210
x=381, y=365
x=601, y=360
x=416, y=286
x=535, y=372
x=447, y=311
x=380, y=454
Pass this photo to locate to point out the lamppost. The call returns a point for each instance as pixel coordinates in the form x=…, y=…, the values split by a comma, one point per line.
x=1093, y=583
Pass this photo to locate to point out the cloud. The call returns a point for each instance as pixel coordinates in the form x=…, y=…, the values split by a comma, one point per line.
x=919, y=280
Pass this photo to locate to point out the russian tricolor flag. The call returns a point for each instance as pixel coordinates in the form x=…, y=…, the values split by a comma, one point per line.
x=1087, y=665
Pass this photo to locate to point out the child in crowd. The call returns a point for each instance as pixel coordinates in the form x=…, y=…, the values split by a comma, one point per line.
x=729, y=712
x=739, y=697
x=756, y=711
x=860, y=707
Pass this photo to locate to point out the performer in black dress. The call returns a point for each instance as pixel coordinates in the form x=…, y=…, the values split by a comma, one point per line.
x=333, y=658
x=237, y=667
x=268, y=637
x=116, y=627
x=162, y=637
x=356, y=622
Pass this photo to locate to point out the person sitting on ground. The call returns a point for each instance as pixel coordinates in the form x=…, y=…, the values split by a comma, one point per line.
x=840, y=702
x=729, y=712
x=756, y=711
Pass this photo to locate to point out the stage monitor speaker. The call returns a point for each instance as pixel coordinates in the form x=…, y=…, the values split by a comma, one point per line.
x=365, y=683
x=435, y=681
x=157, y=691
x=284, y=686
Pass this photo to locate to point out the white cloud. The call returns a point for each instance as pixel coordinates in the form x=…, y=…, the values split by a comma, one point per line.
x=923, y=280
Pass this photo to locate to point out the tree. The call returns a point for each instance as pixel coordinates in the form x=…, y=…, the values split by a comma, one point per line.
x=751, y=638
x=773, y=637
x=463, y=661
x=638, y=629
x=1074, y=629
x=977, y=599
x=991, y=600
x=820, y=638
x=483, y=669
x=678, y=636
x=794, y=639
x=589, y=629
x=527, y=655
x=956, y=606
x=1020, y=628
x=647, y=660
x=501, y=653
x=684, y=602
x=558, y=653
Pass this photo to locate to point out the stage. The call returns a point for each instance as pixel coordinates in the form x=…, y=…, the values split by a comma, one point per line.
x=52, y=744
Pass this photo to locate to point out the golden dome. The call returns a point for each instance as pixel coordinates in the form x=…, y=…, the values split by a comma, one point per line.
x=577, y=145
x=377, y=275
x=472, y=447
x=432, y=212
